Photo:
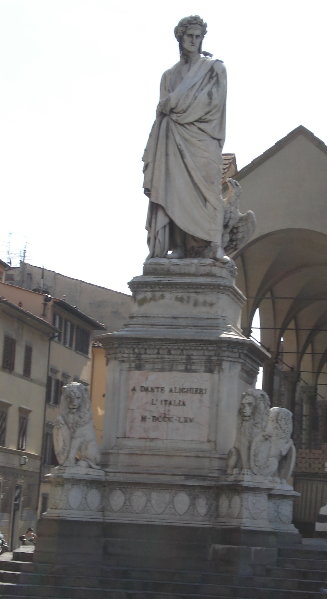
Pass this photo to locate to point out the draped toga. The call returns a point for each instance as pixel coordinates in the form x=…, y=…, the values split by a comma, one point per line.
x=182, y=159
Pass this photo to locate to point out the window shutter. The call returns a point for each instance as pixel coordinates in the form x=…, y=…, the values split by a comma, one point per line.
x=8, y=356
x=48, y=390
x=27, y=361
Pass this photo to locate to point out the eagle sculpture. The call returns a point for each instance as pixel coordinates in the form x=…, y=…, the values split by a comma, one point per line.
x=238, y=227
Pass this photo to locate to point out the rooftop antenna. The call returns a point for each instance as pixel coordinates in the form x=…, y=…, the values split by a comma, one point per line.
x=8, y=250
x=23, y=253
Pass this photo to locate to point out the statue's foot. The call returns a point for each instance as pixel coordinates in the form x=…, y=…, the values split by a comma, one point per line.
x=219, y=252
x=215, y=252
x=176, y=254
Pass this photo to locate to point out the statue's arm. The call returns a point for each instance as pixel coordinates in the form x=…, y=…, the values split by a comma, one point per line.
x=220, y=69
x=221, y=73
x=164, y=101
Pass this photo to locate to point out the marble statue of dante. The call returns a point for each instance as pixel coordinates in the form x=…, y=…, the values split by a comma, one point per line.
x=183, y=156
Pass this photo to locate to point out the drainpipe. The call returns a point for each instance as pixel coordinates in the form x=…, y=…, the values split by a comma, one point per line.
x=51, y=338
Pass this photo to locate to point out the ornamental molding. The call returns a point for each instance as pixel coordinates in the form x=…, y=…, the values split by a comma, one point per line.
x=182, y=504
x=194, y=287
x=202, y=357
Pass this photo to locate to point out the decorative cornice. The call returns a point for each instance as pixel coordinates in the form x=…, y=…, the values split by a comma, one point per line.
x=197, y=353
x=201, y=285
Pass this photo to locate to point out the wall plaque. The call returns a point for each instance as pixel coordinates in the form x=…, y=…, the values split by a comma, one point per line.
x=168, y=405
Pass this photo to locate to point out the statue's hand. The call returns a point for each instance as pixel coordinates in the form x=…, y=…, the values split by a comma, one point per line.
x=163, y=106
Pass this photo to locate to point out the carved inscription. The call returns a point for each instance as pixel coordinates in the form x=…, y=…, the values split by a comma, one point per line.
x=168, y=405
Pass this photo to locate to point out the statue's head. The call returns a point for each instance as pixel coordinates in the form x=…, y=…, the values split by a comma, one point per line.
x=74, y=397
x=247, y=405
x=255, y=403
x=189, y=33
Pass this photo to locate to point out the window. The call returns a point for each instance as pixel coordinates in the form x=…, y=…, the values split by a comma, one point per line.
x=8, y=356
x=3, y=423
x=82, y=340
x=68, y=333
x=17, y=498
x=72, y=335
x=22, y=428
x=57, y=322
x=53, y=390
x=27, y=361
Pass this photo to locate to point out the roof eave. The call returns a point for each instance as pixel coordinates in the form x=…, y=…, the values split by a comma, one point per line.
x=300, y=130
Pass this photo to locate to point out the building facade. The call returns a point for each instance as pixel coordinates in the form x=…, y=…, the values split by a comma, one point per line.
x=107, y=306
x=24, y=344
x=46, y=343
x=282, y=272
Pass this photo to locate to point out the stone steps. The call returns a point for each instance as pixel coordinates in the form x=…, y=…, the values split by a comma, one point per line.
x=156, y=590
x=24, y=553
x=84, y=593
x=302, y=564
x=302, y=552
x=210, y=584
x=299, y=574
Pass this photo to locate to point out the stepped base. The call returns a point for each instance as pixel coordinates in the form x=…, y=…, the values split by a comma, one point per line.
x=24, y=553
x=156, y=546
x=299, y=572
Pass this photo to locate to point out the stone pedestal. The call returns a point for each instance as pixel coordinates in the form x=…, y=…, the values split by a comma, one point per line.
x=177, y=370
x=76, y=493
x=176, y=373
x=228, y=525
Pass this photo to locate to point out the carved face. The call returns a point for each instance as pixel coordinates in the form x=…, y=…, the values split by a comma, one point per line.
x=74, y=401
x=247, y=406
x=192, y=39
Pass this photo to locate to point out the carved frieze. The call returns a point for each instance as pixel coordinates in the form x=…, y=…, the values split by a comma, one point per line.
x=233, y=504
x=158, y=286
x=73, y=496
x=158, y=353
x=162, y=504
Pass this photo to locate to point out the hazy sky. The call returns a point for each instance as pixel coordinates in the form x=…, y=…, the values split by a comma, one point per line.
x=79, y=87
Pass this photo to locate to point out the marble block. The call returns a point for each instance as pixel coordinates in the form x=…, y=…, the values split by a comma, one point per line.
x=198, y=296
x=76, y=493
x=168, y=405
x=177, y=369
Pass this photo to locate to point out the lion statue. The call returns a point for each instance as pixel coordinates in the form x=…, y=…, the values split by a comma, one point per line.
x=73, y=432
x=253, y=417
